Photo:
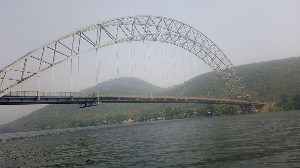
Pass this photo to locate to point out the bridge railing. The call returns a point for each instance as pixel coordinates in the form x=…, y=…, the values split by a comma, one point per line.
x=47, y=94
x=56, y=94
x=82, y=94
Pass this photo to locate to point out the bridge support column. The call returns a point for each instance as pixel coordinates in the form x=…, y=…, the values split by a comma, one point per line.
x=37, y=96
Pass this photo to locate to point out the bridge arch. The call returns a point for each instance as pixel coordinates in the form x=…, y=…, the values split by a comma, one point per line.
x=127, y=29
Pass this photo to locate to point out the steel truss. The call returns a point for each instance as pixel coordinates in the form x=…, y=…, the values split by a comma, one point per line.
x=127, y=29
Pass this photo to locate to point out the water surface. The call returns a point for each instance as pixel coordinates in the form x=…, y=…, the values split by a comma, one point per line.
x=252, y=140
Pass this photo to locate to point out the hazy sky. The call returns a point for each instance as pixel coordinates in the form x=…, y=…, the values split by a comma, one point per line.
x=246, y=31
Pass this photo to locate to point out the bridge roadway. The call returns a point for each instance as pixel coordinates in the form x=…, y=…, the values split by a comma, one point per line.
x=90, y=99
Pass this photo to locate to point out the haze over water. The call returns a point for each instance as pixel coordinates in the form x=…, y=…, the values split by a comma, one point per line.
x=256, y=140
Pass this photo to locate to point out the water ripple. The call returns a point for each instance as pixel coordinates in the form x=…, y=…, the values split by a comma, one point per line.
x=257, y=140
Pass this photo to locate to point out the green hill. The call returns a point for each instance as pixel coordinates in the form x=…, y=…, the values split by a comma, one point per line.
x=266, y=81
x=125, y=85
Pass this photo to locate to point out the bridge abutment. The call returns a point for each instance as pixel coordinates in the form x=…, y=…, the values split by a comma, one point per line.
x=249, y=108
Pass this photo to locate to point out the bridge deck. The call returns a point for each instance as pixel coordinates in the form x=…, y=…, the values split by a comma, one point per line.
x=88, y=99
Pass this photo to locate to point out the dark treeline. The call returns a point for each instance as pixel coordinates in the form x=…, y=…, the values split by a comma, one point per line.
x=177, y=113
x=165, y=112
x=289, y=102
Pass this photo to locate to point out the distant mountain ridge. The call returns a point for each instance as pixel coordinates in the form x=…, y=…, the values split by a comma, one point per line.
x=266, y=81
x=124, y=85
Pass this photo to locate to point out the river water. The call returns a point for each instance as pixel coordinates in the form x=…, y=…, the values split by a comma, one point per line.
x=252, y=140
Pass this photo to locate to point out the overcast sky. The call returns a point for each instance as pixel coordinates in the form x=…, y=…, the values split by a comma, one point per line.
x=246, y=31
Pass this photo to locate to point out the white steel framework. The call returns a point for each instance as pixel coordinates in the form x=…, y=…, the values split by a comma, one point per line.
x=127, y=29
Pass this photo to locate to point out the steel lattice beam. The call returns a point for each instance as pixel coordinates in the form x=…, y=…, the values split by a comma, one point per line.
x=136, y=28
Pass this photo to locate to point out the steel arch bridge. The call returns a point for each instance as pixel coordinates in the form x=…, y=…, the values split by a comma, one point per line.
x=120, y=30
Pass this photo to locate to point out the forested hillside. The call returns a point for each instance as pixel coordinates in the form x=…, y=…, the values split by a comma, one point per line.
x=267, y=82
x=125, y=85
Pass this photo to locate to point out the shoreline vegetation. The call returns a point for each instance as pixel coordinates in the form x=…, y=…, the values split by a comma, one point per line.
x=168, y=113
x=274, y=82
